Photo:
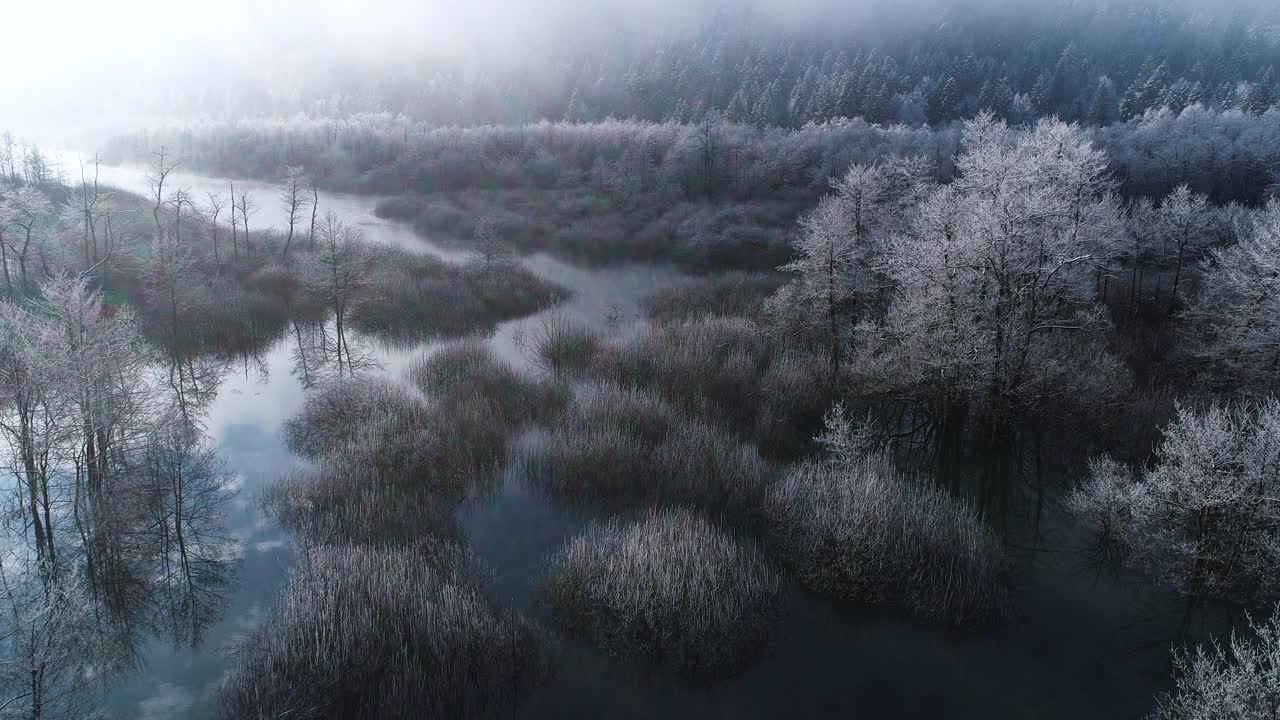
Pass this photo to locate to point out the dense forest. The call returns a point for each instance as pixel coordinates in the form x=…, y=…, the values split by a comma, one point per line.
x=1094, y=62
x=914, y=366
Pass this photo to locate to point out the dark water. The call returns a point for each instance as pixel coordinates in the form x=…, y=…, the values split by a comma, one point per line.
x=1079, y=643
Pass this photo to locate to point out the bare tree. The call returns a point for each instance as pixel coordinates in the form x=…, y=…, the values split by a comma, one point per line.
x=340, y=269
x=235, y=225
x=89, y=197
x=166, y=277
x=216, y=206
x=315, y=206
x=157, y=174
x=247, y=209
x=179, y=199
x=710, y=144
x=293, y=198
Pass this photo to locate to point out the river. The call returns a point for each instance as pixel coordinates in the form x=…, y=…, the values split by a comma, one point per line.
x=1078, y=643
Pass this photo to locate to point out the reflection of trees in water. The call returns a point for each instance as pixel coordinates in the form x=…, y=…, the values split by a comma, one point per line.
x=114, y=530
x=194, y=382
x=320, y=354
x=185, y=485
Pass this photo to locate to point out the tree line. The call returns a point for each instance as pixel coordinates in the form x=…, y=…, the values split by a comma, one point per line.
x=1093, y=62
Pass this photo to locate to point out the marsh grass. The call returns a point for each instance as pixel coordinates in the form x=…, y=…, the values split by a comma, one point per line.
x=406, y=632
x=861, y=533
x=467, y=372
x=340, y=412
x=334, y=501
x=669, y=591
x=732, y=294
x=413, y=296
x=728, y=371
x=562, y=347
x=389, y=464
x=620, y=448
x=590, y=226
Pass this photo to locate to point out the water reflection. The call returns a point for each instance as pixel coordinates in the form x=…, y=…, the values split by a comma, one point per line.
x=241, y=401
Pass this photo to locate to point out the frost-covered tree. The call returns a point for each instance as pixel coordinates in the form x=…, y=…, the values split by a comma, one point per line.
x=30, y=417
x=1235, y=321
x=1185, y=224
x=845, y=441
x=167, y=283
x=1240, y=681
x=999, y=274
x=840, y=252
x=829, y=266
x=103, y=374
x=1205, y=517
x=25, y=213
x=51, y=653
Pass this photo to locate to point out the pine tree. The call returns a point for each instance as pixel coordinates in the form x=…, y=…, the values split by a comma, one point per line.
x=1102, y=109
x=944, y=102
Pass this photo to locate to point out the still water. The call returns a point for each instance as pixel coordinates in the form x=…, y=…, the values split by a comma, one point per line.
x=1079, y=643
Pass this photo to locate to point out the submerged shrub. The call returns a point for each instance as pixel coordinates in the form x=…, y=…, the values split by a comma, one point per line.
x=1238, y=682
x=861, y=533
x=467, y=371
x=622, y=447
x=363, y=632
x=339, y=412
x=562, y=346
x=381, y=431
x=384, y=433
x=670, y=591
x=335, y=501
x=412, y=295
x=726, y=369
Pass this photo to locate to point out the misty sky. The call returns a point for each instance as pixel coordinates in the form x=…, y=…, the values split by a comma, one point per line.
x=85, y=62
x=85, y=57
x=88, y=57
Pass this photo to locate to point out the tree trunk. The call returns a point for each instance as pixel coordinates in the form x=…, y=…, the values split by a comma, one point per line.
x=315, y=203
x=4, y=262
x=235, y=232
